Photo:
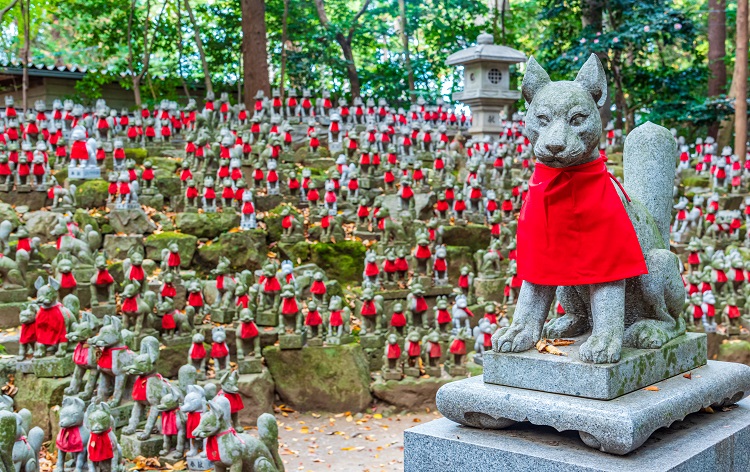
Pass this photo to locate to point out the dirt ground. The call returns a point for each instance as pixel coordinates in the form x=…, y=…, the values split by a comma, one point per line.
x=370, y=442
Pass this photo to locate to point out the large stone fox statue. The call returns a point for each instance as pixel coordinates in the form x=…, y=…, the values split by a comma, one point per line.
x=612, y=293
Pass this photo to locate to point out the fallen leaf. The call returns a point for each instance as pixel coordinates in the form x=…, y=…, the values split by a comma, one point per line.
x=652, y=388
x=563, y=342
x=688, y=376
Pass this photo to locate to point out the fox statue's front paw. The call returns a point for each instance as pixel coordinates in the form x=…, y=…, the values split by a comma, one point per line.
x=566, y=326
x=601, y=349
x=517, y=337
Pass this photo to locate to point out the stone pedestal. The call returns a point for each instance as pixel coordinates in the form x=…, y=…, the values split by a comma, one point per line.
x=100, y=311
x=11, y=295
x=250, y=366
x=701, y=442
x=133, y=447
x=199, y=464
x=568, y=375
x=489, y=289
x=53, y=367
x=221, y=315
x=617, y=426
x=291, y=341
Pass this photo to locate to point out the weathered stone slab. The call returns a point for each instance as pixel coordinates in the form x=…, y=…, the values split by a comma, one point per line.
x=410, y=393
x=616, y=426
x=40, y=397
x=332, y=378
x=702, y=442
x=570, y=376
x=133, y=447
x=257, y=392
x=199, y=464
x=53, y=367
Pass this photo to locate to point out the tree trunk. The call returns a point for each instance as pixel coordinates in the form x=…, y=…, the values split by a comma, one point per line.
x=137, y=90
x=255, y=56
x=351, y=67
x=179, y=51
x=717, y=35
x=284, y=39
x=591, y=16
x=405, y=43
x=26, y=16
x=199, y=46
x=740, y=67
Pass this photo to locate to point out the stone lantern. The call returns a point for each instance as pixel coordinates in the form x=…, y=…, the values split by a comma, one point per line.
x=486, y=82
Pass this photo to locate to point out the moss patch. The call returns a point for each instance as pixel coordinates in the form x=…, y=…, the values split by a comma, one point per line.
x=206, y=225
x=136, y=154
x=476, y=237
x=334, y=378
x=92, y=194
x=245, y=250
x=735, y=351
x=343, y=261
x=155, y=243
x=8, y=213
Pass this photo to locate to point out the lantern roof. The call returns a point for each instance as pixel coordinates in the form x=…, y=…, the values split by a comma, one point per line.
x=486, y=51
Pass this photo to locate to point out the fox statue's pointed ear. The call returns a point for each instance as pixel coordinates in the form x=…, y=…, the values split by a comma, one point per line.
x=593, y=79
x=533, y=80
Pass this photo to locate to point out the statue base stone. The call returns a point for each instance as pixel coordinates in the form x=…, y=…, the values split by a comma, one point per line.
x=221, y=315
x=616, y=426
x=489, y=289
x=701, y=442
x=133, y=447
x=199, y=464
x=291, y=341
x=53, y=367
x=11, y=295
x=568, y=375
x=100, y=311
x=250, y=366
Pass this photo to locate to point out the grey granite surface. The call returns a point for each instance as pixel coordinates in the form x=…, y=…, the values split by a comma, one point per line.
x=718, y=442
x=616, y=426
x=570, y=376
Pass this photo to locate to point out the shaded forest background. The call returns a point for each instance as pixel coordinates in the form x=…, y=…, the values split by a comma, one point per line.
x=668, y=61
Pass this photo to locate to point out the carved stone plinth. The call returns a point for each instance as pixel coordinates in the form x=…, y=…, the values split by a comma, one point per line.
x=53, y=367
x=291, y=341
x=250, y=366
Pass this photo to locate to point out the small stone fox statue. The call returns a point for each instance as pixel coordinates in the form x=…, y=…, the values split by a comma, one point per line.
x=28, y=442
x=102, y=449
x=564, y=127
x=73, y=436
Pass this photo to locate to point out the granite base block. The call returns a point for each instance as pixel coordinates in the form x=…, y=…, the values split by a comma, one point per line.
x=702, y=442
x=569, y=375
x=617, y=426
x=133, y=447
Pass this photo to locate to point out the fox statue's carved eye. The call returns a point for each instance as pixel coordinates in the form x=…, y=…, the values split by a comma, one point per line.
x=543, y=119
x=578, y=119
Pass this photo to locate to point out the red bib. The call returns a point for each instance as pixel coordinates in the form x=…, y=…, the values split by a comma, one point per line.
x=198, y=351
x=100, y=447
x=50, y=326
x=69, y=440
x=248, y=330
x=219, y=350
x=193, y=420
x=169, y=423
x=235, y=401
x=574, y=230
x=81, y=354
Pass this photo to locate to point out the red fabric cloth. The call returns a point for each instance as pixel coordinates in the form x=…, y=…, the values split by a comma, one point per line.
x=81, y=354
x=371, y=269
x=733, y=312
x=69, y=439
x=168, y=290
x=289, y=306
x=169, y=423
x=569, y=225
x=368, y=308
x=413, y=350
x=336, y=319
x=100, y=447
x=193, y=420
x=398, y=319
x=50, y=325
x=435, y=350
x=105, y=359
x=136, y=273
x=318, y=287
x=440, y=265
x=394, y=351
x=421, y=304
x=443, y=316
x=235, y=401
x=28, y=333
x=195, y=299
x=219, y=350
x=174, y=259
x=458, y=346
x=130, y=305
x=423, y=252
x=168, y=322
x=313, y=318
x=271, y=284
x=103, y=277
x=198, y=351
x=67, y=280
x=139, y=388
x=248, y=330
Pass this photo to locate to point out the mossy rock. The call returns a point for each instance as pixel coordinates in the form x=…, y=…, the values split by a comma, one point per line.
x=8, y=213
x=165, y=164
x=297, y=252
x=333, y=378
x=245, y=250
x=272, y=220
x=40, y=397
x=257, y=392
x=167, y=183
x=155, y=243
x=83, y=218
x=735, y=351
x=206, y=225
x=410, y=393
x=458, y=256
x=61, y=175
x=476, y=237
x=137, y=154
x=343, y=261
x=696, y=181
x=92, y=194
